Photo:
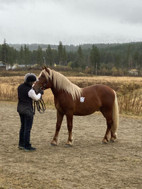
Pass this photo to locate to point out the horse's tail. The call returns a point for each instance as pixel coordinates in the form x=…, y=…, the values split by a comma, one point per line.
x=115, y=116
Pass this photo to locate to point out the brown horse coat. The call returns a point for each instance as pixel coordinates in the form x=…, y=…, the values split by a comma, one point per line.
x=71, y=100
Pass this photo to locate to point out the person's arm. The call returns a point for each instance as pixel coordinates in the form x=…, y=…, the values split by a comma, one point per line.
x=33, y=95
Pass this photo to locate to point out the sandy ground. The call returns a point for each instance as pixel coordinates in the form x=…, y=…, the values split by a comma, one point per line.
x=89, y=164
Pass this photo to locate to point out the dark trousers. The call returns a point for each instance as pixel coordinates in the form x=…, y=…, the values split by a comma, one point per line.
x=25, y=130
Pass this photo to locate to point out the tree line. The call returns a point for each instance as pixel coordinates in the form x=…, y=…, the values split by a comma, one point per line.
x=98, y=59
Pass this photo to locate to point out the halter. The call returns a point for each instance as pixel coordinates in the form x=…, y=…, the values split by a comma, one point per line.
x=44, y=85
x=40, y=106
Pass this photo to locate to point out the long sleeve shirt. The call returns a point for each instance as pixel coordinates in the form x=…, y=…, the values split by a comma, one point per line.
x=33, y=95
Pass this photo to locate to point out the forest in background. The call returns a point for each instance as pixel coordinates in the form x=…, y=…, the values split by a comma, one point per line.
x=97, y=59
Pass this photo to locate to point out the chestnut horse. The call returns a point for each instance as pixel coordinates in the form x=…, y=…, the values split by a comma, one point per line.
x=71, y=100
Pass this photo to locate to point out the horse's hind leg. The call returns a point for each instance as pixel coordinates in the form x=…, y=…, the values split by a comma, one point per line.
x=58, y=126
x=109, y=122
x=108, y=131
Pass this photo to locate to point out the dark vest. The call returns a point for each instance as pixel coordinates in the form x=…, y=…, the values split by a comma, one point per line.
x=25, y=103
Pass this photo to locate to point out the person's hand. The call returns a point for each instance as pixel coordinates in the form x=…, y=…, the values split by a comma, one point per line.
x=41, y=92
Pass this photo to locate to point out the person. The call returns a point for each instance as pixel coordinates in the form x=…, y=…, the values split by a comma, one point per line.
x=26, y=95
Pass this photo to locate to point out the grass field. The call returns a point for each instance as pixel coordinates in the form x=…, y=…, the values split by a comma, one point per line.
x=129, y=90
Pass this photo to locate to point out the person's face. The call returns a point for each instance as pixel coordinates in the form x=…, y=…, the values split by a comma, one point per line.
x=31, y=83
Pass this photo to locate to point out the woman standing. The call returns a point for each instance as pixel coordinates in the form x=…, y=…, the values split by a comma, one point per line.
x=26, y=95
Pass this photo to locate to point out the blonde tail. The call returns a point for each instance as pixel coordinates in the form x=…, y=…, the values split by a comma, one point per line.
x=115, y=117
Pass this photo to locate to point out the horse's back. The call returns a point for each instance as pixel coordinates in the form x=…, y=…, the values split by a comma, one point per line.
x=93, y=99
x=99, y=90
x=106, y=96
x=104, y=92
x=101, y=95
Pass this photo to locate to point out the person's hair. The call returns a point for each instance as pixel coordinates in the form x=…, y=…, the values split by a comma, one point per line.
x=30, y=77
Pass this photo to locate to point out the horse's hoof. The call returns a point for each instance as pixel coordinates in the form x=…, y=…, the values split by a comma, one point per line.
x=69, y=144
x=112, y=140
x=54, y=143
x=104, y=141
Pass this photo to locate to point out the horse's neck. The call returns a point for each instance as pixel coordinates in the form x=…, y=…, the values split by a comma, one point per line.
x=55, y=87
x=54, y=91
x=63, y=84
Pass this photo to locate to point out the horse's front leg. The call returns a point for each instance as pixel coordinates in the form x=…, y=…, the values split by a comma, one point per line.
x=69, y=126
x=58, y=126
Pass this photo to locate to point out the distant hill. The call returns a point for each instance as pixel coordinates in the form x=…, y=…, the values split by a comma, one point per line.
x=35, y=46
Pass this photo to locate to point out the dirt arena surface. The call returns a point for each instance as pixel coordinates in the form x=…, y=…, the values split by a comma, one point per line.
x=89, y=164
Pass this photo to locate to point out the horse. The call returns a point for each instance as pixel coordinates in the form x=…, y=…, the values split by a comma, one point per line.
x=69, y=100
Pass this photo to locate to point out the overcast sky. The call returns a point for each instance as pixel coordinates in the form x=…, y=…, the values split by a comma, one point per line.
x=70, y=21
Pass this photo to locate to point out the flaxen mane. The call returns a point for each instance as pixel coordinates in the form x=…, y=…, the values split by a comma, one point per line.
x=61, y=82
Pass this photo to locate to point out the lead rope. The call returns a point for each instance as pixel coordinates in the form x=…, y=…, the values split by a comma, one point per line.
x=40, y=106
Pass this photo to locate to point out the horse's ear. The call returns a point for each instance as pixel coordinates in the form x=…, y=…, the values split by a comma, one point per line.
x=43, y=67
x=47, y=70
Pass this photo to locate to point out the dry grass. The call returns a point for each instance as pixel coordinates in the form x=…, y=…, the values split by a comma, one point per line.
x=129, y=90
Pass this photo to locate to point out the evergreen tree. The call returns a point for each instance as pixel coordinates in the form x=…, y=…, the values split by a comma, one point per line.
x=4, y=52
x=49, y=56
x=64, y=56
x=80, y=58
x=60, y=53
x=21, y=56
x=55, y=56
x=95, y=58
x=12, y=55
x=39, y=57
x=136, y=59
x=26, y=55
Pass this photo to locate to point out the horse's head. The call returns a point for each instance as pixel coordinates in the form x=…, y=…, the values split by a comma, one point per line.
x=44, y=80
